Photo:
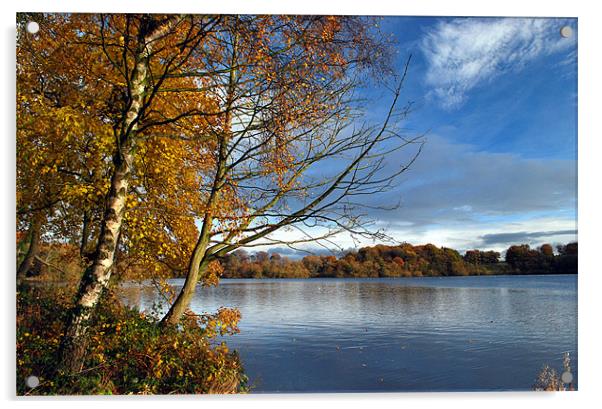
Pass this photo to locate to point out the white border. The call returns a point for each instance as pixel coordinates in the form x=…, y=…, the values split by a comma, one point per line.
x=590, y=156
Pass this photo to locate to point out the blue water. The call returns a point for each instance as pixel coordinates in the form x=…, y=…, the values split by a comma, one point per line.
x=406, y=334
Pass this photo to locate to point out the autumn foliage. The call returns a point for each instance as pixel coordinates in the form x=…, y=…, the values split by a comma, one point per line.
x=128, y=352
x=154, y=145
x=405, y=260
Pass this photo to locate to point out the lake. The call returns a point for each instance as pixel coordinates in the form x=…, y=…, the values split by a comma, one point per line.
x=401, y=334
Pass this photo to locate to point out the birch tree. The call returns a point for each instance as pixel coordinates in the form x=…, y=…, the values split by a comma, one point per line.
x=140, y=51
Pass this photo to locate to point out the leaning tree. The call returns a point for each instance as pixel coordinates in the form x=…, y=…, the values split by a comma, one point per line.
x=292, y=150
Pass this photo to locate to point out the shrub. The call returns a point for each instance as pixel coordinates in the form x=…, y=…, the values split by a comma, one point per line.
x=548, y=379
x=128, y=352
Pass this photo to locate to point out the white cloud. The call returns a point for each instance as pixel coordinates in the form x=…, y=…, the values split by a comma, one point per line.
x=464, y=208
x=477, y=235
x=534, y=231
x=466, y=52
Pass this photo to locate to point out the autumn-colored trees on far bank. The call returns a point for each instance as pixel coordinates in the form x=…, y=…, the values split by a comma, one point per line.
x=403, y=261
x=543, y=260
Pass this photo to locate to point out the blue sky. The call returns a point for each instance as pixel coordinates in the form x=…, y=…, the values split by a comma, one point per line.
x=519, y=94
x=498, y=98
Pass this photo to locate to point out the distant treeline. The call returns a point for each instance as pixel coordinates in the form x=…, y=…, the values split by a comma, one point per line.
x=404, y=260
x=60, y=262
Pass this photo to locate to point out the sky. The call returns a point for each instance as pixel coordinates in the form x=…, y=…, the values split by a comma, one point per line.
x=497, y=99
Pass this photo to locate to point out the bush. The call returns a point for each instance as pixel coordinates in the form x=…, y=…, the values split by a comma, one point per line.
x=128, y=352
x=548, y=379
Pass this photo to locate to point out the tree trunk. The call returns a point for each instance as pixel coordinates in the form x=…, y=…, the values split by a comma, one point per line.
x=83, y=247
x=34, y=234
x=182, y=302
x=198, y=262
x=96, y=278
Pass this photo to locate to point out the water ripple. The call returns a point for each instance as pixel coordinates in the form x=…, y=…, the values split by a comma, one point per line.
x=417, y=334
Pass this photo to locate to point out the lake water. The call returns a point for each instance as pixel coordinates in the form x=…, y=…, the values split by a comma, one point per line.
x=406, y=334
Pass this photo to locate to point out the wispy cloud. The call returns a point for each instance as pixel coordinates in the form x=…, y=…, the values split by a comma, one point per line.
x=464, y=53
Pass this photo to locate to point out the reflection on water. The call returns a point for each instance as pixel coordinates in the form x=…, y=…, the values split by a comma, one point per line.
x=409, y=334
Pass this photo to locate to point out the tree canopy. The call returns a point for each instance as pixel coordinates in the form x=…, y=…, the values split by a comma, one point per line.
x=160, y=143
